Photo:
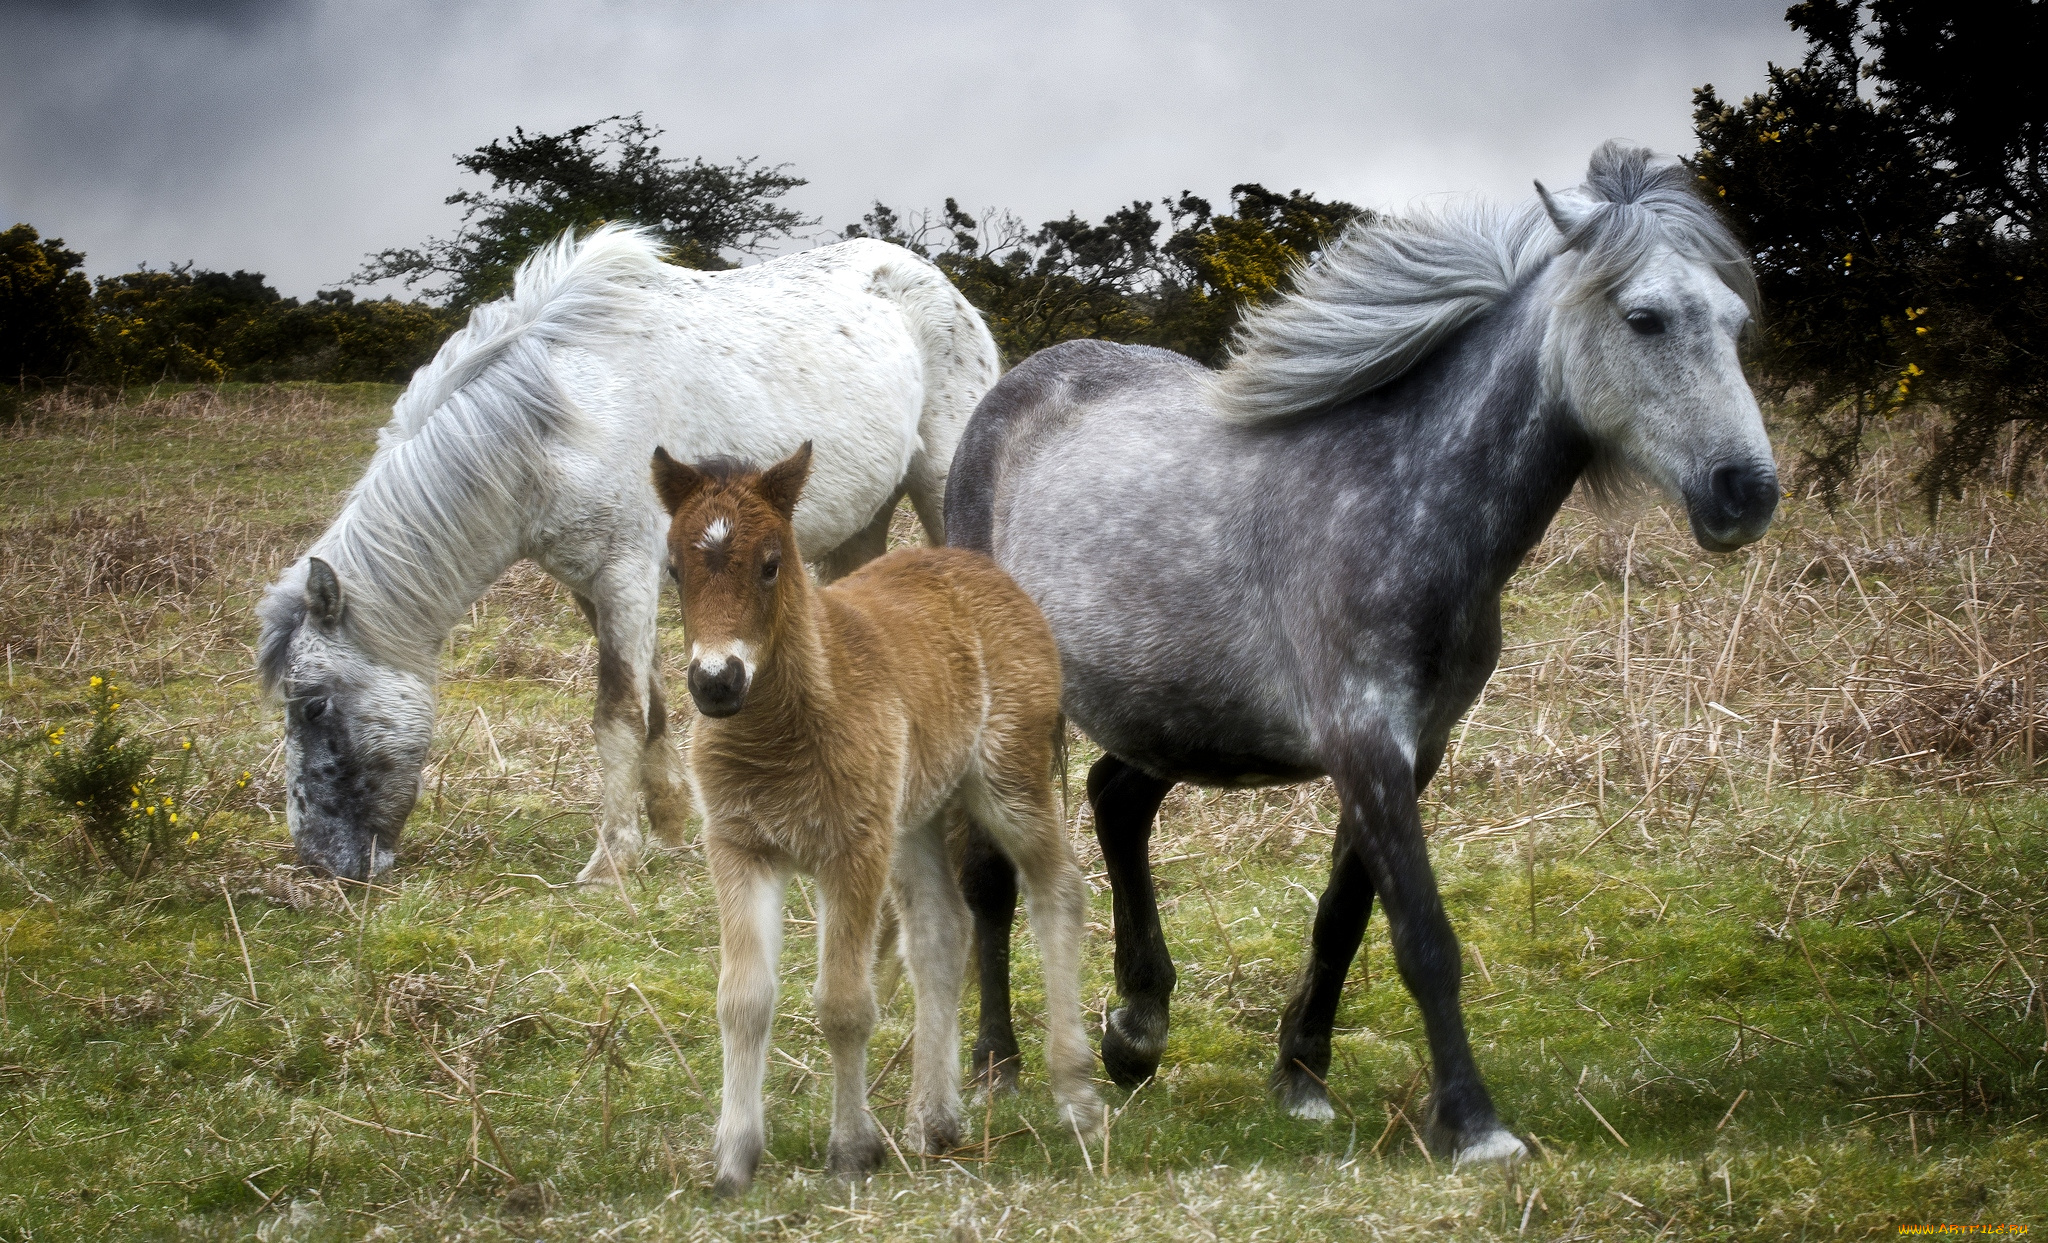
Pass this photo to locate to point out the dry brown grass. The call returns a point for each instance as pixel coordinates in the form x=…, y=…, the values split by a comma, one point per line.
x=1699, y=794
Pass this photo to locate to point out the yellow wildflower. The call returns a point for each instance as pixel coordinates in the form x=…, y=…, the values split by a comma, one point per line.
x=95, y=683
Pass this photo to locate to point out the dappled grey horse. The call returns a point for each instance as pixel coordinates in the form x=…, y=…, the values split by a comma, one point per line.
x=1293, y=567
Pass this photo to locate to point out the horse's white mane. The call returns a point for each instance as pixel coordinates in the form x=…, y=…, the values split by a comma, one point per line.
x=1393, y=289
x=463, y=439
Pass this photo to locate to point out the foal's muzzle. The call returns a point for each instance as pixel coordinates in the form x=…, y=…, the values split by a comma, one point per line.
x=720, y=689
x=1736, y=507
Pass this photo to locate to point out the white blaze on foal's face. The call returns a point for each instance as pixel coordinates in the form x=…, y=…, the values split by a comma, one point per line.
x=729, y=536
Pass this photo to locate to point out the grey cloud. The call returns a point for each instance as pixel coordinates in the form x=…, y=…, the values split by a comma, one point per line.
x=295, y=138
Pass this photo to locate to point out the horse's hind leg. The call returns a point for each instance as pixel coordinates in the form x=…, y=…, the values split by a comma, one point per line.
x=1015, y=802
x=1301, y=1076
x=624, y=612
x=934, y=946
x=926, y=484
x=865, y=545
x=1125, y=800
x=988, y=880
x=662, y=776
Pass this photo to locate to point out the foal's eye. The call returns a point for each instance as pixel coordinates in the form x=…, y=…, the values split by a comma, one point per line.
x=1645, y=321
x=769, y=569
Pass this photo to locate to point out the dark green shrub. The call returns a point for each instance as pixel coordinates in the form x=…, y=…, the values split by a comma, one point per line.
x=128, y=819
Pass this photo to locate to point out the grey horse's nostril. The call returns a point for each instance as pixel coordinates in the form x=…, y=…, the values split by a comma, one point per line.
x=1744, y=494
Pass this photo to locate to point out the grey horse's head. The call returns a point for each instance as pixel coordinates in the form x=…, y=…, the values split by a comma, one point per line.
x=1656, y=296
x=356, y=731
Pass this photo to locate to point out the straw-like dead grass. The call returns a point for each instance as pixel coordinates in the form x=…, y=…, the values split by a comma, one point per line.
x=1743, y=852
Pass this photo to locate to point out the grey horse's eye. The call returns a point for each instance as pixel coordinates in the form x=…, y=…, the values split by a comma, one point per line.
x=311, y=709
x=1645, y=321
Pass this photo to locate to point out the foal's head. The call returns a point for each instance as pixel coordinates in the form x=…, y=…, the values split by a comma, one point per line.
x=733, y=554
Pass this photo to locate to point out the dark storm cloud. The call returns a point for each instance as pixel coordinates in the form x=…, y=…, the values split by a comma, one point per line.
x=294, y=138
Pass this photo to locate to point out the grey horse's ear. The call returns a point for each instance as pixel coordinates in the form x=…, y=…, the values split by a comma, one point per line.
x=1560, y=212
x=323, y=592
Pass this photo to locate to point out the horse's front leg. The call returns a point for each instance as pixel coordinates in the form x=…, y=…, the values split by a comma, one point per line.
x=1125, y=800
x=850, y=899
x=1301, y=1076
x=750, y=896
x=1375, y=779
x=988, y=880
x=622, y=611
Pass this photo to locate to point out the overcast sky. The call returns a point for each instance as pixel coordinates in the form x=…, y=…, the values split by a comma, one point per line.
x=292, y=138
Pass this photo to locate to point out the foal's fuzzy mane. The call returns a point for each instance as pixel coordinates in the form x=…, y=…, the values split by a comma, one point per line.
x=1393, y=289
x=452, y=465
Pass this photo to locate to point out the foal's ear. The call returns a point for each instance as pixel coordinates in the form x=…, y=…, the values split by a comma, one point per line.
x=675, y=482
x=323, y=592
x=783, y=482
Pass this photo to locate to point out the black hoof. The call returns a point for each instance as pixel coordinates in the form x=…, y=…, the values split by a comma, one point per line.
x=1007, y=1066
x=1472, y=1133
x=1130, y=1060
x=1302, y=1095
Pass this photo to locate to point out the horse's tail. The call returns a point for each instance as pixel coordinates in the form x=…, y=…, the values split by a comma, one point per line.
x=959, y=357
x=1059, y=763
x=570, y=291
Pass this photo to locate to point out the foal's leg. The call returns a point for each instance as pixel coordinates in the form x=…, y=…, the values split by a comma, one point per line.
x=750, y=897
x=624, y=610
x=850, y=896
x=1376, y=783
x=1017, y=806
x=1125, y=800
x=934, y=941
x=988, y=880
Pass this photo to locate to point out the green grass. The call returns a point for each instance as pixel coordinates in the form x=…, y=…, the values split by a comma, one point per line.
x=1787, y=946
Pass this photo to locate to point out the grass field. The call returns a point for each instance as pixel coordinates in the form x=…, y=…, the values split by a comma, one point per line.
x=1745, y=852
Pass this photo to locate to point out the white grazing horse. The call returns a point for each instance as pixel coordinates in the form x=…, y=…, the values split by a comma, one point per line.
x=528, y=436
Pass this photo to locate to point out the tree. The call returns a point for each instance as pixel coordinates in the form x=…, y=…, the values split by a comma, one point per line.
x=1896, y=231
x=1116, y=281
x=46, y=318
x=608, y=170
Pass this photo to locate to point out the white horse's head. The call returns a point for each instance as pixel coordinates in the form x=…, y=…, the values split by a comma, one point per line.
x=1654, y=294
x=356, y=730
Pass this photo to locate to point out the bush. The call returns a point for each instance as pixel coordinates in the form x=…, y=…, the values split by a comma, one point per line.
x=46, y=314
x=128, y=820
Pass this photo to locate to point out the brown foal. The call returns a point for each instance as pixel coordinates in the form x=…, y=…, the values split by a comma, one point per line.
x=840, y=729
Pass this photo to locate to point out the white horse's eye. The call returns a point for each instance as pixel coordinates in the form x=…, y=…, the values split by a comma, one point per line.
x=1645, y=321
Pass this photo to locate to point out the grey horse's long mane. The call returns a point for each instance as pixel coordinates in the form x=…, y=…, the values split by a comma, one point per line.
x=449, y=480
x=1392, y=289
